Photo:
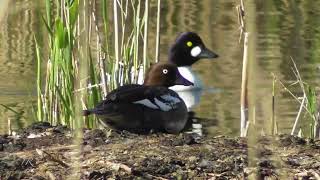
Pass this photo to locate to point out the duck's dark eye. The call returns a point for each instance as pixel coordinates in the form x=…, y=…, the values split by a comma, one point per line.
x=165, y=71
x=189, y=43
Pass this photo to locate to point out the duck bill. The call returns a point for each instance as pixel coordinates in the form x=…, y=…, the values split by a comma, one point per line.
x=180, y=80
x=206, y=53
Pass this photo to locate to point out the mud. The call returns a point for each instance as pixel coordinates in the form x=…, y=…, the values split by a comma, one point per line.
x=45, y=152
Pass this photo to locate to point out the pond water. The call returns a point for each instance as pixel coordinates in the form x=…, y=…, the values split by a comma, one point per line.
x=284, y=29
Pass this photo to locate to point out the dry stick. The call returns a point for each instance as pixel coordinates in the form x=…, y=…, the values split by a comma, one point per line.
x=244, y=88
x=9, y=127
x=296, y=98
x=158, y=32
x=302, y=105
x=99, y=58
x=241, y=15
x=121, y=166
x=273, y=107
x=299, y=80
x=298, y=115
x=48, y=156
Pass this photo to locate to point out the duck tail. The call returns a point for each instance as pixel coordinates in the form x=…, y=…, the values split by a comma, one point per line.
x=86, y=112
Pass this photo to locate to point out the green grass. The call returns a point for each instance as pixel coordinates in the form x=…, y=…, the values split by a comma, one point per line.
x=312, y=109
x=112, y=55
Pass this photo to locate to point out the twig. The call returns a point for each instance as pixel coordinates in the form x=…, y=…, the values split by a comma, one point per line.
x=48, y=156
x=99, y=56
x=117, y=166
x=298, y=115
x=156, y=177
x=88, y=87
x=9, y=127
x=295, y=97
x=241, y=16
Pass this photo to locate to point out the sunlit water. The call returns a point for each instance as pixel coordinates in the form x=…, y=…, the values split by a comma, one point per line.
x=284, y=29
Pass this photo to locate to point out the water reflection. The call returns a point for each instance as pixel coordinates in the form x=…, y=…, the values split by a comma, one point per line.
x=284, y=29
x=18, y=23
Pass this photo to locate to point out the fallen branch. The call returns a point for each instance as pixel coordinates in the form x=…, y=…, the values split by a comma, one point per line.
x=116, y=166
x=48, y=156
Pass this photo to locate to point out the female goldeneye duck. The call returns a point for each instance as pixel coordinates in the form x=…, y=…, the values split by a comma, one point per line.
x=151, y=106
x=188, y=49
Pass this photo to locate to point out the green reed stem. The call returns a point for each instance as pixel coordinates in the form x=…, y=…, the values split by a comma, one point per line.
x=145, y=38
x=111, y=67
x=39, y=83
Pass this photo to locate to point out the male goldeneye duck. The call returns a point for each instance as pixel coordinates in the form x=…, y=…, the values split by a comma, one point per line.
x=188, y=49
x=151, y=106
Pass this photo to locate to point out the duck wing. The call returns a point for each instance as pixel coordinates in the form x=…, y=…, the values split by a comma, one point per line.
x=154, y=97
x=159, y=98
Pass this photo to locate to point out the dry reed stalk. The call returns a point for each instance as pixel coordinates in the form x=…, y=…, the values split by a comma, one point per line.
x=158, y=32
x=244, y=88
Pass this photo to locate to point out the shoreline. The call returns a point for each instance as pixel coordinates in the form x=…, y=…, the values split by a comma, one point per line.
x=46, y=152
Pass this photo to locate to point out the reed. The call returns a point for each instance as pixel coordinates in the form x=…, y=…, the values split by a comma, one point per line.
x=274, y=128
x=308, y=103
x=112, y=58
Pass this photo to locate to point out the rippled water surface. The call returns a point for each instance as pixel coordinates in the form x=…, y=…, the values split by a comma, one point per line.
x=284, y=29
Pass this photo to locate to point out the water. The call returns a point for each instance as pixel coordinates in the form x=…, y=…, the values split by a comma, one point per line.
x=284, y=29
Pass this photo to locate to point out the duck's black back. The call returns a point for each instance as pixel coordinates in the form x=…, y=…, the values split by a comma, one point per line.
x=133, y=108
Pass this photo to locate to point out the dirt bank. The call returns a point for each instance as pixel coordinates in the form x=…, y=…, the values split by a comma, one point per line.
x=45, y=152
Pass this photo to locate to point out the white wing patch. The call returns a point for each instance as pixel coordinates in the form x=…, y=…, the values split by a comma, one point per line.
x=148, y=103
x=163, y=106
x=195, y=51
x=171, y=99
x=166, y=103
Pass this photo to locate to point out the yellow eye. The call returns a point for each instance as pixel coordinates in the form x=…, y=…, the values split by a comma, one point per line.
x=189, y=43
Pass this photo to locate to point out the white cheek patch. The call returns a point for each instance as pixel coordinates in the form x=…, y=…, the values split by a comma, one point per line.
x=147, y=102
x=195, y=51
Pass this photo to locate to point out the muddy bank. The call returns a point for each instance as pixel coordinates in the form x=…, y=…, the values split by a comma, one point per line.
x=45, y=152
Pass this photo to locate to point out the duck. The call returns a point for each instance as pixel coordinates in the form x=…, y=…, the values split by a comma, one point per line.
x=187, y=49
x=151, y=106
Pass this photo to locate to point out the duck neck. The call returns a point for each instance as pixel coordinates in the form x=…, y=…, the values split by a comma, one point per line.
x=187, y=73
x=149, y=82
